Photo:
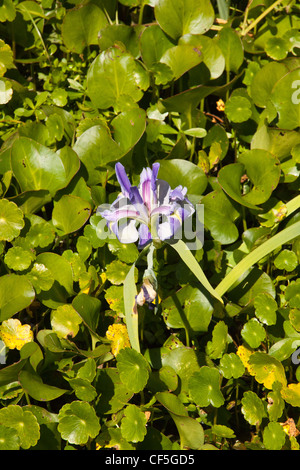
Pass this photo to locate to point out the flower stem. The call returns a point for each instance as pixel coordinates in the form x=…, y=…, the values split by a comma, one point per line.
x=260, y=17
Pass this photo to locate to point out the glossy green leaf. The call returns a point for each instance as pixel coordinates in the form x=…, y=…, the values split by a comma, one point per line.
x=18, y=258
x=154, y=43
x=24, y=422
x=231, y=366
x=285, y=97
x=115, y=79
x=61, y=271
x=265, y=308
x=37, y=167
x=204, y=387
x=217, y=346
x=220, y=217
x=11, y=220
x=190, y=431
x=238, y=109
x=78, y=422
x=232, y=48
x=274, y=436
x=184, y=17
x=34, y=386
x=253, y=333
x=16, y=293
x=133, y=424
x=286, y=260
x=188, y=308
x=70, y=213
x=81, y=26
x=133, y=369
x=252, y=408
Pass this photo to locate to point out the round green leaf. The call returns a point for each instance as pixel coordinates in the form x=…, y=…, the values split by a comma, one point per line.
x=117, y=271
x=253, y=333
x=24, y=422
x=6, y=92
x=11, y=220
x=119, y=33
x=133, y=369
x=274, y=436
x=70, y=213
x=9, y=438
x=61, y=271
x=184, y=361
x=204, y=387
x=220, y=215
x=16, y=293
x=196, y=308
x=222, y=431
x=40, y=277
x=81, y=26
x=78, y=422
x=231, y=366
x=115, y=79
x=59, y=97
x=286, y=260
x=37, y=167
x=294, y=317
x=238, y=109
x=65, y=321
x=252, y=408
x=276, y=404
x=216, y=347
x=292, y=293
x=286, y=98
x=154, y=43
x=210, y=51
x=276, y=48
x=264, y=81
x=265, y=308
x=18, y=259
x=267, y=369
x=182, y=58
x=133, y=424
x=114, y=394
x=83, y=389
x=181, y=17
x=182, y=172
x=41, y=234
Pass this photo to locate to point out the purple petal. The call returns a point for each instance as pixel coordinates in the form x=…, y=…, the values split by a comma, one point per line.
x=115, y=215
x=123, y=179
x=155, y=168
x=178, y=193
x=144, y=235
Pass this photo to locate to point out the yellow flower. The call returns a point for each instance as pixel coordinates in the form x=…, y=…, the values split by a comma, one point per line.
x=14, y=334
x=117, y=334
x=244, y=354
x=220, y=105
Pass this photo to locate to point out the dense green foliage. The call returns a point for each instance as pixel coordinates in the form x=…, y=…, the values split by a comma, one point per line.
x=211, y=90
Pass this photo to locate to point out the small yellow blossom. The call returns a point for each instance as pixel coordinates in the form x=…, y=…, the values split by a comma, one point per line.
x=117, y=334
x=14, y=334
x=220, y=105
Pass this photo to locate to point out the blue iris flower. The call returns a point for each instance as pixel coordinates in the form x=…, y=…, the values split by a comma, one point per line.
x=151, y=211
